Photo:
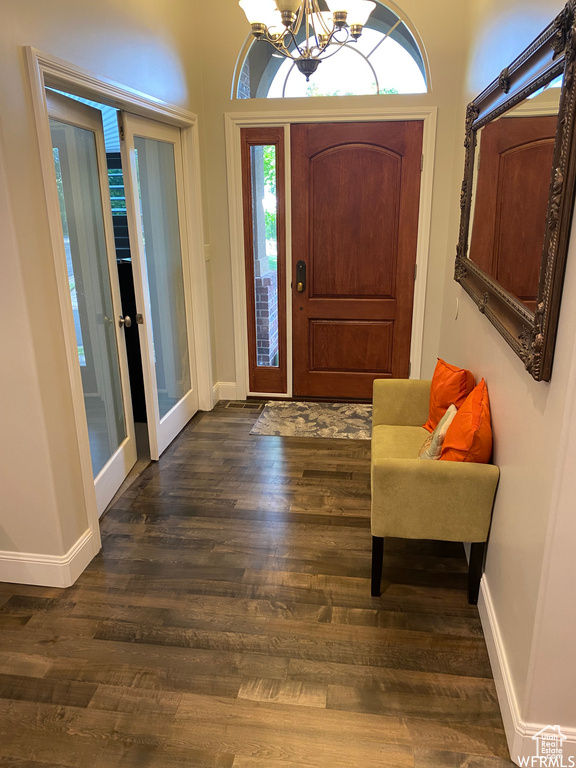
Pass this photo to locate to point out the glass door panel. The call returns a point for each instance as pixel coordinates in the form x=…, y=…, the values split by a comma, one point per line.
x=263, y=184
x=155, y=168
x=152, y=155
x=76, y=167
x=265, y=253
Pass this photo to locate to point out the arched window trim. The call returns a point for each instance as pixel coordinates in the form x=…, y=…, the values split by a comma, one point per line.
x=265, y=83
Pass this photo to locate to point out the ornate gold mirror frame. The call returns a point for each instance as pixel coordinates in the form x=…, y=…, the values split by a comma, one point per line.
x=531, y=335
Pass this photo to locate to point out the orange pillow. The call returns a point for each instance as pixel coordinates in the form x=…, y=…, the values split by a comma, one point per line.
x=449, y=385
x=469, y=437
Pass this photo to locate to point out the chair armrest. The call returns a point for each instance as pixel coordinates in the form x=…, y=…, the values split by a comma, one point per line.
x=423, y=499
x=401, y=402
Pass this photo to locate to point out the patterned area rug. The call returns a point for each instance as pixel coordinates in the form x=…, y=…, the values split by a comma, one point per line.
x=335, y=420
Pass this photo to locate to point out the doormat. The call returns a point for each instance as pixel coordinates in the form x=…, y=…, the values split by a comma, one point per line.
x=335, y=420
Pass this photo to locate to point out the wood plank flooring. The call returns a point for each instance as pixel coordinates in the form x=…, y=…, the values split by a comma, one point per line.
x=228, y=623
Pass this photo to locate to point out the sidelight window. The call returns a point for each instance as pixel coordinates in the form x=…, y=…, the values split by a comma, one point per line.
x=264, y=227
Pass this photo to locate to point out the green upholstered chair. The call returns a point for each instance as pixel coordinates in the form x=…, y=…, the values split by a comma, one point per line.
x=414, y=498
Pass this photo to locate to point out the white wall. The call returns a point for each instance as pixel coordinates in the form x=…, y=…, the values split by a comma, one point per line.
x=149, y=46
x=21, y=411
x=528, y=420
x=551, y=688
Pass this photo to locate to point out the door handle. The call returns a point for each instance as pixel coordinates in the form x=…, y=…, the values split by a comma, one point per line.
x=301, y=276
x=124, y=321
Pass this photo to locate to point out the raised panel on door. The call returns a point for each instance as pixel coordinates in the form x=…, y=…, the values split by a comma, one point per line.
x=352, y=346
x=355, y=203
x=522, y=218
x=354, y=240
x=511, y=201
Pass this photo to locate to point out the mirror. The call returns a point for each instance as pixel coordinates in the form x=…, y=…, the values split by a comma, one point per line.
x=512, y=172
x=518, y=193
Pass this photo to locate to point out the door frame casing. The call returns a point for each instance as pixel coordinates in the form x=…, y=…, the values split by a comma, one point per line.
x=234, y=121
x=45, y=70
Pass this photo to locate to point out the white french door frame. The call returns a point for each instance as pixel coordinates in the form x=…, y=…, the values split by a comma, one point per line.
x=235, y=121
x=44, y=71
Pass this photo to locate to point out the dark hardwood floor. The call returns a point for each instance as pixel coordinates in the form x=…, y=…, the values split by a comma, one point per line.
x=228, y=622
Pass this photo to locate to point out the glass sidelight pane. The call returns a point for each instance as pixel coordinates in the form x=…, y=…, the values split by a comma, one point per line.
x=156, y=173
x=265, y=252
x=75, y=161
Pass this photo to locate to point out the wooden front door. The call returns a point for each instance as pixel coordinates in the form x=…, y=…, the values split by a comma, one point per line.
x=355, y=199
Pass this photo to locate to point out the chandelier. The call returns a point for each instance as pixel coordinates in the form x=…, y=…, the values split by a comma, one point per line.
x=280, y=21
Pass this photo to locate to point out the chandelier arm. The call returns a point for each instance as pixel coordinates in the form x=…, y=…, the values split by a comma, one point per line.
x=308, y=27
x=333, y=37
x=274, y=40
x=323, y=23
x=281, y=46
x=295, y=28
x=298, y=48
x=322, y=46
x=339, y=44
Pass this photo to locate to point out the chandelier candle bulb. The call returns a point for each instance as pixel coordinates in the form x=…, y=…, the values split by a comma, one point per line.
x=288, y=5
x=358, y=12
x=288, y=10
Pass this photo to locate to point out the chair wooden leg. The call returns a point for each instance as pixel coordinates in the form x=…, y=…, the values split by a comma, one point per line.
x=475, y=569
x=377, y=561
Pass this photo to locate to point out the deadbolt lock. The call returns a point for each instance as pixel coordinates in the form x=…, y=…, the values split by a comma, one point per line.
x=301, y=276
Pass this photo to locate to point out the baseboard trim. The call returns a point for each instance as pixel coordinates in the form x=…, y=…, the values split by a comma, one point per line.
x=224, y=390
x=49, y=570
x=519, y=733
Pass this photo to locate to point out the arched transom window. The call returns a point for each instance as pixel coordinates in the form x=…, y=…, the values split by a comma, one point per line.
x=385, y=59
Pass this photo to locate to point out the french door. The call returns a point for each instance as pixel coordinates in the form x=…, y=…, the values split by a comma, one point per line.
x=153, y=168
x=81, y=177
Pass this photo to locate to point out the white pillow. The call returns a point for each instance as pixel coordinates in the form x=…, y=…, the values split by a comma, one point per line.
x=432, y=447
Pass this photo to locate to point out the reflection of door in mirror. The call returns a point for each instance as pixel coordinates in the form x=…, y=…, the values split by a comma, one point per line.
x=515, y=161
